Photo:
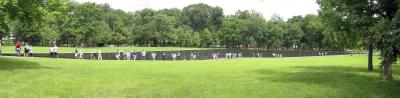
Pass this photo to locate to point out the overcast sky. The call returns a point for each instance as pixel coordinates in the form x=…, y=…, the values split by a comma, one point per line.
x=284, y=8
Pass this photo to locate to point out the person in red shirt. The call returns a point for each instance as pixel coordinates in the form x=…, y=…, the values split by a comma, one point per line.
x=18, y=48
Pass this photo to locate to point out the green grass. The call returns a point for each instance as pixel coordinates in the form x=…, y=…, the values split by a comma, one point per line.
x=318, y=77
x=11, y=49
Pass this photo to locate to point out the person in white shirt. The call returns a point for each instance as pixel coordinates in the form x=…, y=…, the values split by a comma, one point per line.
x=143, y=55
x=51, y=50
x=99, y=56
x=153, y=55
x=127, y=55
x=80, y=53
x=55, y=51
x=26, y=50
x=30, y=50
x=117, y=55
x=173, y=55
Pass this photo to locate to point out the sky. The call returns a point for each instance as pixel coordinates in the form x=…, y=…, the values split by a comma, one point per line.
x=283, y=8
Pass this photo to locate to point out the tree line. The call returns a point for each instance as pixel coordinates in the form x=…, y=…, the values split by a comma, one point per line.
x=67, y=23
x=340, y=25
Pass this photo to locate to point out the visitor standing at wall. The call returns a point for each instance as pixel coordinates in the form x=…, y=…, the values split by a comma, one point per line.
x=18, y=48
x=143, y=55
x=30, y=50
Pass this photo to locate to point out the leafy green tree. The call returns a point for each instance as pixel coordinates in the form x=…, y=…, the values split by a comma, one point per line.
x=201, y=16
x=231, y=31
x=359, y=18
x=206, y=38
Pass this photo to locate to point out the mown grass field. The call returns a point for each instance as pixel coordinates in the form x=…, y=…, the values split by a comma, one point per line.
x=11, y=49
x=318, y=77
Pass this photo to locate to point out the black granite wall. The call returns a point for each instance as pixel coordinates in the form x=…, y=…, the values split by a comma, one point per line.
x=201, y=54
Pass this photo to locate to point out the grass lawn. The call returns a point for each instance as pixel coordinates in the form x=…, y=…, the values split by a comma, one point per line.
x=318, y=77
x=11, y=49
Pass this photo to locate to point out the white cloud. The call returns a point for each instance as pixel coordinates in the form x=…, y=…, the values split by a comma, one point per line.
x=284, y=8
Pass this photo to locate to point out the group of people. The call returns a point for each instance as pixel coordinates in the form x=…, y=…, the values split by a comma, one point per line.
x=78, y=53
x=53, y=51
x=227, y=55
x=28, y=49
x=277, y=55
x=97, y=55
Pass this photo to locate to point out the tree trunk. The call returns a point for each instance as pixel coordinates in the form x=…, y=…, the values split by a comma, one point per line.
x=387, y=71
x=370, y=55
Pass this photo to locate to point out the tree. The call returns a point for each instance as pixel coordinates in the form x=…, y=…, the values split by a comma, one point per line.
x=206, y=38
x=230, y=32
x=357, y=17
x=361, y=17
x=4, y=26
x=201, y=16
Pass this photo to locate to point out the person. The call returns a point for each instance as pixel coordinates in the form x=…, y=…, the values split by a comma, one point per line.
x=127, y=55
x=153, y=55
x=191, y=56
x=76, y=53
x=164, y=55
x=51, y=50
x=179, y=56
x=117, y=55
x=0, y=49
x=134, y=55
x=30, y=51
x=80, y=53
x=26, y=50
x=99, y=56
x=143, y=55
x=173, y=55
x=55, y=51
x=214, y=56
x=18, y=48
x=194, y=57
x=94, y=56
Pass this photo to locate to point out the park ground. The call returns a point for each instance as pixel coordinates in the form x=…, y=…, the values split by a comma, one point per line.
x=11, y=49
x=319, y=77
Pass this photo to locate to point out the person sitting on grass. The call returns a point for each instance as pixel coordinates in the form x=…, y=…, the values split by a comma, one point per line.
x=30, y=51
